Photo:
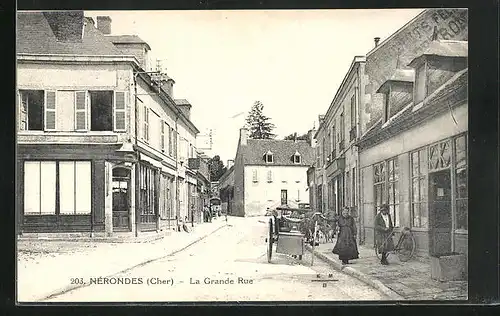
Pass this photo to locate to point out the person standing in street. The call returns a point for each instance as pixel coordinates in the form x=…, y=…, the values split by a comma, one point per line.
x=383, y=233
x=346, y=247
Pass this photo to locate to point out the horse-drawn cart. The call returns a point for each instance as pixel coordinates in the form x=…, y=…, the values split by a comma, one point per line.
x=287, y=232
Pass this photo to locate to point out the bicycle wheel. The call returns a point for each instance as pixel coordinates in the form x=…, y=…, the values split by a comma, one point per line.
x=377, y=253
x=407, y=247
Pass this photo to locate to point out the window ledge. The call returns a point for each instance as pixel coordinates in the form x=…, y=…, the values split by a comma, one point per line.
x=461, y=232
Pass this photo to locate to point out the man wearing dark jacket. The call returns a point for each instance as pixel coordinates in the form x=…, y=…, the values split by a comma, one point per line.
x=383, y=233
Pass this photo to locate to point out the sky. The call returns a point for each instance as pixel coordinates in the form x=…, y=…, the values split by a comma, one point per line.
x=293, y=61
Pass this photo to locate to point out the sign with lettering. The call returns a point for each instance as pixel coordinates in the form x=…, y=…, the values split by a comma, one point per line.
x=406, y=44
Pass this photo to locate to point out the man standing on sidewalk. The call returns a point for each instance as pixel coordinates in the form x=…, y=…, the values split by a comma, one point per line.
x=383, y=233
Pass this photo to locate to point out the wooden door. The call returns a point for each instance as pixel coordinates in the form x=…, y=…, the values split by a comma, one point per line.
x=440, y=215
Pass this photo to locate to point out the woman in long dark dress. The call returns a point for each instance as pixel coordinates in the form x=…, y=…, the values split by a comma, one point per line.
x=346, y=247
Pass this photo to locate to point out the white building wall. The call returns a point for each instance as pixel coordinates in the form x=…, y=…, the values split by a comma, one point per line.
x=426, y=133
x=263, y=194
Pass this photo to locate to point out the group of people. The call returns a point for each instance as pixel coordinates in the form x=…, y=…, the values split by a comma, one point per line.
x=346, y=247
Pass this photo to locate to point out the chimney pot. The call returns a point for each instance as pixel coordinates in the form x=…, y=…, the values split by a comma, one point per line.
x=243, y=136
x=104, y=24
x=377, y=40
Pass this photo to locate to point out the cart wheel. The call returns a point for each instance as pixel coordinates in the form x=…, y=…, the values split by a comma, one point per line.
x=300, y=257
x=270, y=241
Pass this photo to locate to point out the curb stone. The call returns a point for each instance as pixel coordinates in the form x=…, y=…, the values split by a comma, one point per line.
x=358, y=275
x=69, y=288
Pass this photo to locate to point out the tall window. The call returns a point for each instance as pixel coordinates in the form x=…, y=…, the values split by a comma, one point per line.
x=461, y=195
x=334, y=143
x=39, y=187
x=393, y=189
x=162, y=136
x=171, y=142
x=269, y=176
x=254, y=176
x=379, y=179
x=75, y=187
x=386, y=187
x=342, y=127
x=32, y=103
x=146, y=123
x=419, y=171
x=284, y=197
x=353, y=111
x=101, y=110
x=62, y=187
x=353, y=195
x=323, y=154
x=347, y=191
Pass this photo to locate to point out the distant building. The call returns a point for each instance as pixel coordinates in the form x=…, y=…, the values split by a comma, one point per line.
x=269, y=173
x=227, y=190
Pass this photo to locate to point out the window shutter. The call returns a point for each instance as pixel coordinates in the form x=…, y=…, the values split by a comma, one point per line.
x=269, y=176
x=81, y=110
x=50, y=110
x=120, y=111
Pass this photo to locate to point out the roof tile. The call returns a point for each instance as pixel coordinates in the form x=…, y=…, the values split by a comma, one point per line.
x=283, y=150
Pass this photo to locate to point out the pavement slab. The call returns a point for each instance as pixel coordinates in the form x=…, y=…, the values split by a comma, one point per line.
x=410, y=280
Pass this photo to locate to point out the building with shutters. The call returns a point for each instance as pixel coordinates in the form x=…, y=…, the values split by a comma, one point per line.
x=269, y=173
x=360, y=103
x=102, y=143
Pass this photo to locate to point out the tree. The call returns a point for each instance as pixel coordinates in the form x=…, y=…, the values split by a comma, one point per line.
x=294, y=136
x=258, y=123
x=216, y=167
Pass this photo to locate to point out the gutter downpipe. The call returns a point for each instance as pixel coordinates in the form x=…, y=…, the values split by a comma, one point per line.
x=177, y=191
x=137, y=175
x=358, y=160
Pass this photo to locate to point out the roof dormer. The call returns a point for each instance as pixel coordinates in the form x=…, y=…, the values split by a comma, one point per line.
x=296, y=158
x=269, y=157
x=441, y=61
x=397, y=91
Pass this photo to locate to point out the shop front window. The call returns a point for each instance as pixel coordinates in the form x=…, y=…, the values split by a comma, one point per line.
x=461, y=195
x=419, y=207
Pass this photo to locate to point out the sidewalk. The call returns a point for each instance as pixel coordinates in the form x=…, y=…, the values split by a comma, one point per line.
x=399, y=280
x=44, y=272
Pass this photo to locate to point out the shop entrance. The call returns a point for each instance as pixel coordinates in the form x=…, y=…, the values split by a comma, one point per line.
x=440, y=214
x=121, y=199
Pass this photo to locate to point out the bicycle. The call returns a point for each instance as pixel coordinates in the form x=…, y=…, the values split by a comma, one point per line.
x=404, y=248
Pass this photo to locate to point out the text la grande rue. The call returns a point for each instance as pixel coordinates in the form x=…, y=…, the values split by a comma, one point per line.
x=207, y=280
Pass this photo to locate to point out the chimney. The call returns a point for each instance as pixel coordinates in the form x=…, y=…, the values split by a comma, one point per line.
x=104, y=24
x=376, y=39
x=67, y=26
x=310, y=136
x=184, y=106
x=167, y=84
x=243, y=136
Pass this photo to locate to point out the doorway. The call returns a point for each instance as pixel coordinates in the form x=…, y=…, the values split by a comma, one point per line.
x=440, y=214
x=284, y=197
x=121, y=199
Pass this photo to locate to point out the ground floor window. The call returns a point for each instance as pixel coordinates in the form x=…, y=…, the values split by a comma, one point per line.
x=147, y=185
x=386, y=187
x=419, y=188
x=57, y=187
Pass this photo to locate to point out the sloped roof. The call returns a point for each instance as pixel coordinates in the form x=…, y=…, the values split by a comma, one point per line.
x=126, y=39
x=444, y=48
x=182, y=102
x=283, y=150
x=401, y=75
x=35, y=36
x=455, y=88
